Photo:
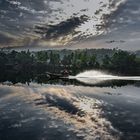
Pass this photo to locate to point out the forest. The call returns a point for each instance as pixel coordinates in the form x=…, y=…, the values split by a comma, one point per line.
x=26, y=65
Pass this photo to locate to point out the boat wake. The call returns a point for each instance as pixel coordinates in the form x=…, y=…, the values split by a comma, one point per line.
x=94, y=77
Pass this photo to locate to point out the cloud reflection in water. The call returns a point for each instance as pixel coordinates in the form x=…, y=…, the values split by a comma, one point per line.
x=82, y=115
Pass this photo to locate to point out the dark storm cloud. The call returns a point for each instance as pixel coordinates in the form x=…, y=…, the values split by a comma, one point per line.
x=62, y=22
x=127, y=15
x=17, y=18
x=21, y=13
x=61, y=29
x=122, y=24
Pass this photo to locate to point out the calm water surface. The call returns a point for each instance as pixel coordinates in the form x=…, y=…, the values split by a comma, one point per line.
x=70, y=111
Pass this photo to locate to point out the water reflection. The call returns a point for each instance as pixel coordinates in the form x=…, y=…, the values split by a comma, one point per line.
x=82, y=116
x=89, y=78
x=80, y=112
x=68, y=108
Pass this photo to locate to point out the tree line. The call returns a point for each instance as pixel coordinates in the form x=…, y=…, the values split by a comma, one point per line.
x=29, y=64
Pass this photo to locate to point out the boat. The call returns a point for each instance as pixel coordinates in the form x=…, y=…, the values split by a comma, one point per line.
x=53, y=75
x=64, y=74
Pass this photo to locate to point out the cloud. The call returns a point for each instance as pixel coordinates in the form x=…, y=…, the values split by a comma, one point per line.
x=4, y=40
x=62, y=29
x=59, y=23
x=127, y=15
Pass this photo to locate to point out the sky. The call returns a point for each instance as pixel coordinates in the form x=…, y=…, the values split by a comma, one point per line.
x=50, y=24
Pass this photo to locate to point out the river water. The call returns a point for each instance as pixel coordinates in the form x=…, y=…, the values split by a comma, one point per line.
x=96, y=107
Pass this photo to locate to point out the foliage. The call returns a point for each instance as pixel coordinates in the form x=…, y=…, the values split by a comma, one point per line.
x=29, y=64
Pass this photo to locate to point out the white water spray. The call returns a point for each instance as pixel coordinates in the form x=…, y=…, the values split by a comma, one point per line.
x=94, y=77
